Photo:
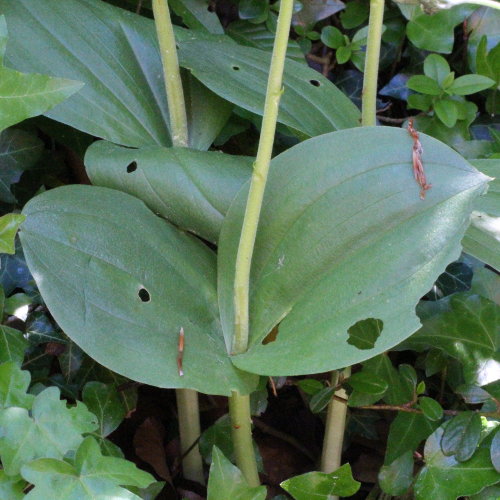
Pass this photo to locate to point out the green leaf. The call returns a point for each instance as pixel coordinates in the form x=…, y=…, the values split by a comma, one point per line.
x=431, y=408
x=13, y=386
x=321, y=399
x=491, y=493
x=51, y=430
x=424, y=85
x=9, y=224
x=419, y=101
x=227, y=481
x=19, y=150
x=192, y=189
x=446, y=110
x=343, y=54
x=11, y=487
x=482, y=239
x=310, y=103
x=321, y=486
x=217, y=437
x=467, y=329
x=407, y=431
x=255, y=11
x=470, y=84
x=436, y=67
x=436, y=32
x=123, y=99
x=12, y=345
x=104, y=402
x=310, y=385
x=321, y=262
x=26, y=95
x=486, y=283
x=196, y=15
x=396, y=478
x=448, y=80
x=91, y=476
x=354, y=14
x=113, y=274
x=490, y=202
x=447, y=479
x=461, y=436
x=368, y=382
x=332, y=37
x=495, y=451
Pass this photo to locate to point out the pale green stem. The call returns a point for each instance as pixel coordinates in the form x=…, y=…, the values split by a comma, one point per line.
x=334, y=428
x=369, y=97
x=239, y=406
x=171, y=73
x=187, y=399
x=189, y=431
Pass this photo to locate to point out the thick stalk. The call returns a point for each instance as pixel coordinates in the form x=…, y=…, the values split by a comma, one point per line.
x=334, y=428
x=369, y=104
x=187, y=399
x=239, y=406
x=171, y=74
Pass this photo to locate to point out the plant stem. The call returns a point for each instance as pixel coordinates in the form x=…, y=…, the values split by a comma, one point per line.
x=189, y=431
x=369, y=105
x=171, y=73
x=334, y=428
x=187, y=399
x=239, y=406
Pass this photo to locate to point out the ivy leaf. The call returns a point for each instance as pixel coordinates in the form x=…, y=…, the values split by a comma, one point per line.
x=321, y=486
x=14, y=384
x=9, y=224
x=26, y=95
x=495, y=451
x=91, y=476
x=104, y=401
x=227, y=481
x=12, y=345
x=407, y=431
x=368, y=382
x=396, y=478
x=462, y=435
x=51, y=430
x=447, y=479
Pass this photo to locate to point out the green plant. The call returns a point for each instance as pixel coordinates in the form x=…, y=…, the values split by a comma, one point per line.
x=312, y=261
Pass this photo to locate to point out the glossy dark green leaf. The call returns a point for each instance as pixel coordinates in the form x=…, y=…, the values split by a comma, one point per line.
x=332, y=37
x=25, y=95
x=123, y=99
x=227, y=481
x=192, y=189
x=321, y=486
x=456, y=278
x=19, y=150
x=104, y=402
x=217, y=436
x=495, y=451
x=321, y=399
x=354, y=14
x=310, y=103
x=461, y=436
x=435, y=33
x=13, y=386
x=447, y=479
x=407, y=431
x=396, y=478
x=51, y=429
x=431, y=408
x=196, y=15
x=121, y=282
x=310, y=386
x=258, y=36
x=368, y=382
x=12, y=345
x=88, y=477
x=321, y=262
x=255, y=11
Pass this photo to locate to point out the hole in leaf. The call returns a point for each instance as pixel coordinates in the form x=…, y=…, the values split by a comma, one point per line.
x=144, y=295
x=315, y=83
x=132, y=167
x=271, y=336
x=236, y=68
x=364, y=333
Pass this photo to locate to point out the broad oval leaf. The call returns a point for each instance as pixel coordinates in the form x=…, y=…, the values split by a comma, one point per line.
x=462, y=435
x=193, y=189
x=344, y=237
x=121, y=283
x=310, y=103
x=115, y=53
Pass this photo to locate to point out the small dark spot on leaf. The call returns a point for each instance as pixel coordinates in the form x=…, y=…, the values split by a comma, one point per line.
x=271, y=336
x=359, y=293
x=236, y=68
x=365, y=333
x=315, y=83
x=144, y=295
x=132, y=167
